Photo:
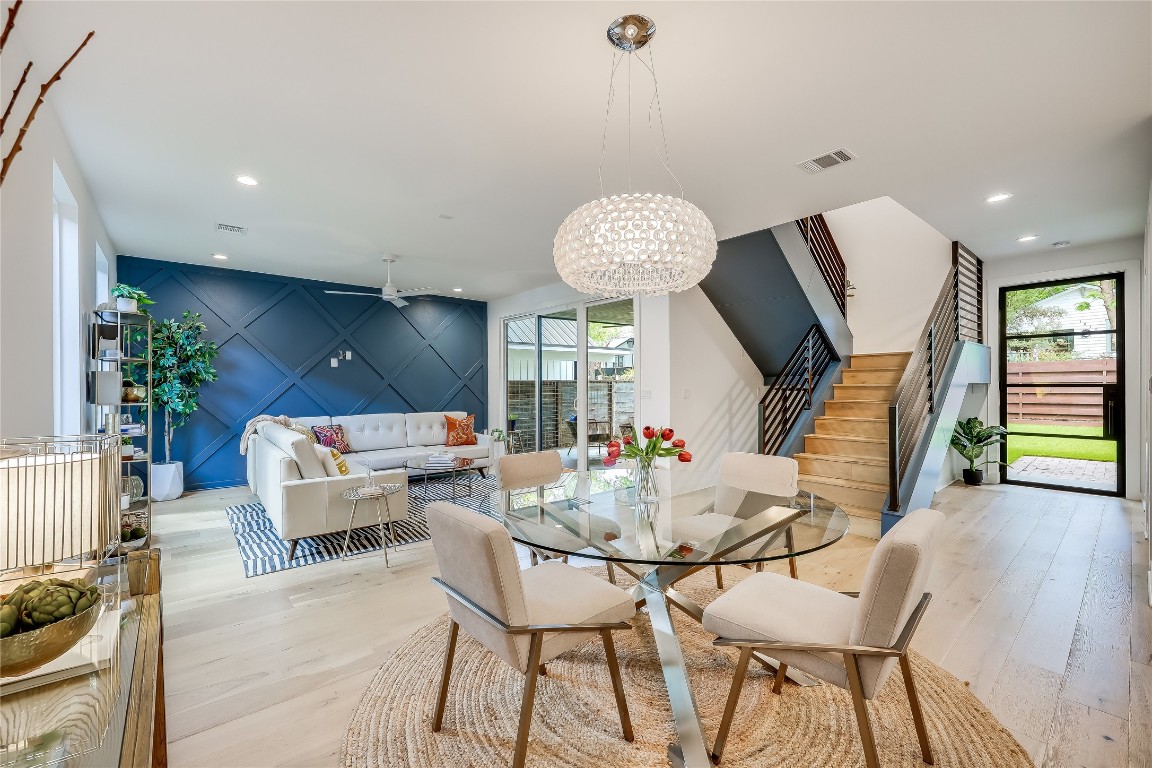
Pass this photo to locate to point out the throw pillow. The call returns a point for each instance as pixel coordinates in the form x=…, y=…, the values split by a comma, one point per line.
x=332, y=437
x=461, y=431
x=302, y=430
x=333, y=461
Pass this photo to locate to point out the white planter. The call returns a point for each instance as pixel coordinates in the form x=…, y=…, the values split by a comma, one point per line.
x=126, y=305
x=167, y=481
x=127, y=451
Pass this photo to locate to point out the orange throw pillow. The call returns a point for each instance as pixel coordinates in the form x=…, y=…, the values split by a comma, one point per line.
x=461, y=431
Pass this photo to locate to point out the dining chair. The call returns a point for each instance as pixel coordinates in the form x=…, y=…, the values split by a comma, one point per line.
x=524, y=470
x=741, y=474
x=527, y=618
x=850, y=639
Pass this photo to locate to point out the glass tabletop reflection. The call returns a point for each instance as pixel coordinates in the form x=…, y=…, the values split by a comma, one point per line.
x=595, y=515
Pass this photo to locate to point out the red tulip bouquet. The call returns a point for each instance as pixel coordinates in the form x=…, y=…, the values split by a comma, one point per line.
x=657, y=443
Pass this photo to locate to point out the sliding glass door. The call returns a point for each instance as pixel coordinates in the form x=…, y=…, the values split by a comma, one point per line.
x=569, y=380
x=1062, y=384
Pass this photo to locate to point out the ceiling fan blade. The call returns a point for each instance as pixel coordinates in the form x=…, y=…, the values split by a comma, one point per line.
x=354, y=293
x=399, y=303
x=416, y=291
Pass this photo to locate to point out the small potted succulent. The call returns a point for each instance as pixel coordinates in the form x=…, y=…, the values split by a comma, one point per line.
x=129, y=299
x=127, y=449
x=970, y=439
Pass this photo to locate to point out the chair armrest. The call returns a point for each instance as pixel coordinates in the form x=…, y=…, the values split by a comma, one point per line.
x=525, y=629
x=851, y=594
x=769, y=645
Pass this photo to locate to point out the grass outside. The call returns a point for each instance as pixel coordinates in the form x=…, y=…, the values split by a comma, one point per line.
x=1062, y=444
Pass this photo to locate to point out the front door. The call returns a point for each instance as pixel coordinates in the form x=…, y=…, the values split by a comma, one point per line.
x=1062, y=384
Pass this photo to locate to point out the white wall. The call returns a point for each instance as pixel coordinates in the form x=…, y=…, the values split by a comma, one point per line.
x=897, y=263
x=26, y=358
x=1125, y=256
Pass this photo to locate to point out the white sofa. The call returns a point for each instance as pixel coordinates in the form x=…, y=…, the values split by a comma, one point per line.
x=302, y=500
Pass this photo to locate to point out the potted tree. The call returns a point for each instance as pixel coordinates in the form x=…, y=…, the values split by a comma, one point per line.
x=970, y=439
x=129, y=299
x=181, y=362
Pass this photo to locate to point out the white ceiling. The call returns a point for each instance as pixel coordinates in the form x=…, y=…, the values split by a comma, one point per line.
x=365, y=121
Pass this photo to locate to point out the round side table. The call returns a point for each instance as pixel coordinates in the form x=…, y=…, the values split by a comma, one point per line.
x=376, y=493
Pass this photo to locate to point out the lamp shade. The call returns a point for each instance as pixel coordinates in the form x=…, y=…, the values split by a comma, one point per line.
x=635, y=244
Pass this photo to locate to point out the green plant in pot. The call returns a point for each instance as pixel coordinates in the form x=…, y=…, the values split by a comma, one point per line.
x=971, y=438
x=512, y=417
x=181, y=363
x=128, y=298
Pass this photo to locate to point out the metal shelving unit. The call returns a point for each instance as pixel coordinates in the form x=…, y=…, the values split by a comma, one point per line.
x=120, y=347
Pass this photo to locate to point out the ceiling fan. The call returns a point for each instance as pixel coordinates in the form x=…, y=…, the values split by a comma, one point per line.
x=389, y=292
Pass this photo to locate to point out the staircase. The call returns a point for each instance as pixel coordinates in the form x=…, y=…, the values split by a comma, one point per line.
x=846, y=459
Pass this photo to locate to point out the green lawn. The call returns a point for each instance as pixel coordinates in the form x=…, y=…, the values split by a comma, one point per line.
x=1058, y=446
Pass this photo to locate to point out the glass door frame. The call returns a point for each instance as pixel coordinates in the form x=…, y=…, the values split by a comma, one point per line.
x=1117, y=436
x=581, y=310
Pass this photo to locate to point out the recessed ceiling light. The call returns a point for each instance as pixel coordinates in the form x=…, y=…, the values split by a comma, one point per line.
x=247, y=181
x=1061, y=243
x=220, y=257
x=458, y=290
x=446, y=217
x=1026, y=238
x=999, y=197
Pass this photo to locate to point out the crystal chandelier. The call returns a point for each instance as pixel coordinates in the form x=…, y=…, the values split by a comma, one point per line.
x=635, y=243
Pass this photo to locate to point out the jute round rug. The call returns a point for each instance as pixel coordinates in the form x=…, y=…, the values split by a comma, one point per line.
x=575, y=721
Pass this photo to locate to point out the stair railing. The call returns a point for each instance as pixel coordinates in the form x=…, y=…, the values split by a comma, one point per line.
x=822, y=246
x=958, y=315
x=790, y=394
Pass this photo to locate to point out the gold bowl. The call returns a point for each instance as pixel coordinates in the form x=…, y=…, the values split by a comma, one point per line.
x=24, y=652
x=135, y=394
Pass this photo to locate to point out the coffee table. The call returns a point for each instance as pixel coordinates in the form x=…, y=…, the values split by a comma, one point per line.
x=460, y=465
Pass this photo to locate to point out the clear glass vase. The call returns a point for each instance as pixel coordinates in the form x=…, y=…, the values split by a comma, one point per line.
x=644, y=481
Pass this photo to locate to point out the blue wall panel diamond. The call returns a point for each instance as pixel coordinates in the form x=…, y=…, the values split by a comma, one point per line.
x=277, y=336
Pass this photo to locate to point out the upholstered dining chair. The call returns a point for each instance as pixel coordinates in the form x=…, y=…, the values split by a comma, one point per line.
x=850, y=639
x=527, y=618
x=524, y=470
x=741, y=474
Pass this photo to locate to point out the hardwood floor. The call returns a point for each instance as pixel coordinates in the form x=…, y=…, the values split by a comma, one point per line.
x=1040, y=603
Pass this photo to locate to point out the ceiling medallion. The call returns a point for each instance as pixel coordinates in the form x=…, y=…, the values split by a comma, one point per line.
x=636, y=242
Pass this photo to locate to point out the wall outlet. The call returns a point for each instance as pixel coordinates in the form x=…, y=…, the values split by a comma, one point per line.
x=687, y=393
x=335, y=362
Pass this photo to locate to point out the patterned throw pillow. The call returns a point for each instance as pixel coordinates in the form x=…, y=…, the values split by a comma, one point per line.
x=303, y=430
x=333, y=461
x=332, y=437
x=461, y=431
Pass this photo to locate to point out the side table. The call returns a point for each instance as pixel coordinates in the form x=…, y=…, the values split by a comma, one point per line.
x=376, y=493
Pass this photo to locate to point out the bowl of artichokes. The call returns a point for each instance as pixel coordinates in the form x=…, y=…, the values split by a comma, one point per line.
x=40, y=620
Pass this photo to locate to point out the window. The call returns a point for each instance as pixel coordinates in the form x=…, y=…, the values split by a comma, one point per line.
x=67, y=373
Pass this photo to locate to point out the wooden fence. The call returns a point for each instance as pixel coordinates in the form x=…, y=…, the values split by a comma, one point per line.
x=1029, y=401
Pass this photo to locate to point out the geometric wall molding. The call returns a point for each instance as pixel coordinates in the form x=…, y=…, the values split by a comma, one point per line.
x=276, y=337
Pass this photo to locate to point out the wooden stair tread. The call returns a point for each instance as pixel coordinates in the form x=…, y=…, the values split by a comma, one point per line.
x=851, y=418
x=843, y=459
x=850, y=438
x=865, y=512
x=878, y=354
x=842, y=483
x=877, y=370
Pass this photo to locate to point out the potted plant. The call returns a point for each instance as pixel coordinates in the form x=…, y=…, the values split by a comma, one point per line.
x=181, y=363
x=512, y=421
x=970, y=439
x=658, y=443
x=127, y=450
x=129, y=299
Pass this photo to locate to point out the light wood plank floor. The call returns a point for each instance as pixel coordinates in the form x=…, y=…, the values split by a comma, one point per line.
x=1040, y=603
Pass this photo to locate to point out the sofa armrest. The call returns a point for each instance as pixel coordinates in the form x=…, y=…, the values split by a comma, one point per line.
x=314, y=507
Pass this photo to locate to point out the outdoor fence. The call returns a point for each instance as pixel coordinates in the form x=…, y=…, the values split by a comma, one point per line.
x=609, y=402
x=1029, y=401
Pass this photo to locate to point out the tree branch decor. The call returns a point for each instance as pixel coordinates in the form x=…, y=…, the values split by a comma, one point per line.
x=9, y=23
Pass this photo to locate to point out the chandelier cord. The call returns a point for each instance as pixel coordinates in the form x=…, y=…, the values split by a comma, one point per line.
x=607, y=111
x=630, y=57
x=664, y=159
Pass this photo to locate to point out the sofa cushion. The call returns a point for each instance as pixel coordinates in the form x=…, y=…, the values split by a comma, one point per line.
x=429, y=428
x=312, y=421
x=460, y=431
x=333, y=461
x=296, y=446
x=306, y=431
x=374, y=431
x=332, y=437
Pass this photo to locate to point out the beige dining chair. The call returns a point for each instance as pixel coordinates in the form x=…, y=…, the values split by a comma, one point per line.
x=527, y=618
x=741, y=474
x=524, y=470
x=850, y=639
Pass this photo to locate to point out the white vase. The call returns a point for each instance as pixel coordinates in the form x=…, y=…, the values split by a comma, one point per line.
x=167, y=481
x=126, y=305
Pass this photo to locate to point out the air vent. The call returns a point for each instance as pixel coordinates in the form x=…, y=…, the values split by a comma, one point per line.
x=829, y=160
x=231, y=229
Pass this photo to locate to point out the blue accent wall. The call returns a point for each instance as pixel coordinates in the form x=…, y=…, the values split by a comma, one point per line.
x=277, y=336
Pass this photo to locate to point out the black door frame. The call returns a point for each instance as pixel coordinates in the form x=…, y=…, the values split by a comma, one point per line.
x=1118, y=436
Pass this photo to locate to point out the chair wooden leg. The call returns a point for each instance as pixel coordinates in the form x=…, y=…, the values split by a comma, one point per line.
x=611, y=574
x=863, y=720
x=533, y=558
x=778, y=682
x=617, y=684
x=530, y=676
x=292, y=549
x=917, y=714
x=544, y=670
x=790, y=541
x=792, y=568
x=719, y=578
x=442, y=698
x=730, y=706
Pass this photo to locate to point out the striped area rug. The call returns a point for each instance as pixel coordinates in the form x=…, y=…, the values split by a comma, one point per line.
x=263, y=551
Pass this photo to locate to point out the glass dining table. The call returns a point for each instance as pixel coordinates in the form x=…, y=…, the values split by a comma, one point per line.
x=696, y=523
